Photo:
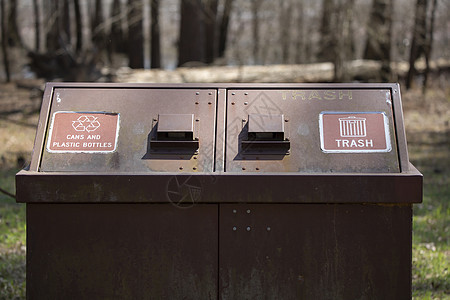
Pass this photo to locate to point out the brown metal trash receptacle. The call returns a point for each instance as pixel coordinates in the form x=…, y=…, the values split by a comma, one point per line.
x=219, y=191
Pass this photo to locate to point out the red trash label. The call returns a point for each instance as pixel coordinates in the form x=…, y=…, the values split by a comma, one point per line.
x=342, y=132
x=79, y=132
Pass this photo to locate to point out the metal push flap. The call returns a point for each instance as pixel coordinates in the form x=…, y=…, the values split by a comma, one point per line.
x=265, y=132
x=175, y=131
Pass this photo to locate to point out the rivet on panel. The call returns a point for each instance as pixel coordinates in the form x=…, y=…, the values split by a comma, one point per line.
x=248, y=228
x=209, y=102
x=197, y=93
x=197, y=120
x=181, y=168
x=195, y=157
x=243, y=169
x=233, y=103
x=248, y=211
x=245, y=93
x=233, y=94
x=194, y=168
x=210, y=93
x=286, y=120
x=245, y=103
x=234, y=211
x=257, y=169
x=268, y=228
x=234, y=228
x=196, y=102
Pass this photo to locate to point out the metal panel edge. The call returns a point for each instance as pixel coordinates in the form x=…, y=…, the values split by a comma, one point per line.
x=275, y=188
x=399, y=127
x=42, y=127
x=220, y=130
x=251, y=86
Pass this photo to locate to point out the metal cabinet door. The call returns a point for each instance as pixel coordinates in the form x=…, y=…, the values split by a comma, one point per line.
x=121, y=251
x=314, y=251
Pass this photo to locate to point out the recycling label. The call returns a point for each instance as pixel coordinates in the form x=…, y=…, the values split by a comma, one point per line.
x=92, y=132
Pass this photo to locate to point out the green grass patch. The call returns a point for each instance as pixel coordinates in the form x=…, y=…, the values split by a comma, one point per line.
x=12, y=276
x=12, y=241
x=12, y=226
x=431, y=273
x=431, y=223
x=12, y=215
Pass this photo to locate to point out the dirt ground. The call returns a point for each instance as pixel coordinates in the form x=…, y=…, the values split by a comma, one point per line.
x=19, y=110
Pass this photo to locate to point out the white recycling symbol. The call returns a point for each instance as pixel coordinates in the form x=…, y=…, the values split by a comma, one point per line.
x=86, y=123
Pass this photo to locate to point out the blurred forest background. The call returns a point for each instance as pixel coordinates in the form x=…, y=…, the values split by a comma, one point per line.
x=87, y=40
x=404, y=41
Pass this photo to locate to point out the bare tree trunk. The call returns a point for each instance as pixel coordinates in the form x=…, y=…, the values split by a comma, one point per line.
x=14, y=38
x=379, y=28
x=116, y=36
x=155, y=46
x=285, y=29
x=255, y=8
x=235, y=49
x=338, y=41
x=418, y=39
x=52, y=35
x=299, y=45
x=65, y=23
x=342, y=41
x=37, y=27
x=386, y=72
x=223, y=29
x=429, y=45
x=326, y=36
x=210, y=21
x=192, y=33
x=78, y=26
x=308, y=44
x=135, y=34
x=97, y=26
x=351, y=31
x=4, y=40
